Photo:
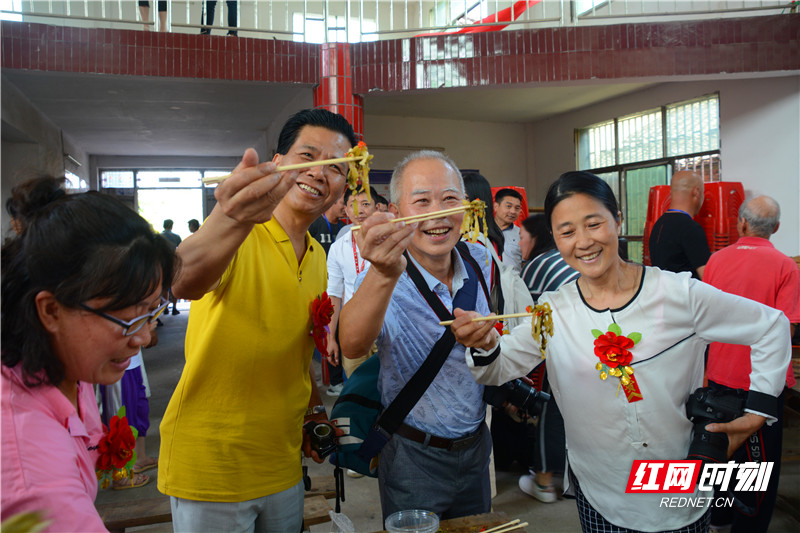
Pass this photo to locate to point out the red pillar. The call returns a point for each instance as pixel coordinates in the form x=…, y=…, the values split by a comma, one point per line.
x=335, y=91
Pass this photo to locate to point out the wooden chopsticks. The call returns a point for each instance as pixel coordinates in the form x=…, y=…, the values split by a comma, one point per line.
x=307, y=164
x=427, y=216
x=508, y=526
x=492, y=317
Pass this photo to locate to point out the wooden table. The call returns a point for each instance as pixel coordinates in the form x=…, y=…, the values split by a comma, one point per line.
x=118, y=516
x=474, y=523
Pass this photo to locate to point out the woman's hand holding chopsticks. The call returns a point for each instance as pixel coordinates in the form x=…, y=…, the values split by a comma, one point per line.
x=474, y=334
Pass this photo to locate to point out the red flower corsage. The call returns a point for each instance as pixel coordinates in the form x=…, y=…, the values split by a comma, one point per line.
x=116, y=449
x=321, y=314
x=613, y=350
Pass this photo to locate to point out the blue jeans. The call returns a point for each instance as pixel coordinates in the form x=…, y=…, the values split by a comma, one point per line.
x=412, y=475
x=278, y=513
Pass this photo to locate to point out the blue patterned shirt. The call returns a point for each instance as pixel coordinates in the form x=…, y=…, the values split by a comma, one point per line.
x=453, y=404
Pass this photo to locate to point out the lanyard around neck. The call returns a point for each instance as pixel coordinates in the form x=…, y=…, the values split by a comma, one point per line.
x=679, y=211
x=355, y=257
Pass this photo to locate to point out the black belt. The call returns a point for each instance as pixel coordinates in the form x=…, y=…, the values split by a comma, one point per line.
x=437, y=442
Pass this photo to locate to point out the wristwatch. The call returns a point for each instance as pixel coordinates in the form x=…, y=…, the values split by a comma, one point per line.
x=317, y=409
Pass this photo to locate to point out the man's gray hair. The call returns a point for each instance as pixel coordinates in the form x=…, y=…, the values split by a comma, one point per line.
x=399, y=169
x=764, y=219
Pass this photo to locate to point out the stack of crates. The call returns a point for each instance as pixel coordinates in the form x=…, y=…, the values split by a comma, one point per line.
x=718, y=216
x=657, y=203
x=720, y=213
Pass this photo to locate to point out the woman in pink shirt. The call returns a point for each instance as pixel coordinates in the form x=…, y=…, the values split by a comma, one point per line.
x=80, y=284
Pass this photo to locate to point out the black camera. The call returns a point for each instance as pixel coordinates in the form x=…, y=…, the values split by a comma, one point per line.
x=323, y=437
x=706, y=406
x=517, y=393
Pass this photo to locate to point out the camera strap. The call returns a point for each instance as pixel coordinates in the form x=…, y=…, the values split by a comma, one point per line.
x=466, y=298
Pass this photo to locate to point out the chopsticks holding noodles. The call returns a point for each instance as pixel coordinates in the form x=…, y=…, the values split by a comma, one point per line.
x=357, y=158
x=307, y=164
x=541, y=323
x=426, y=216
x=473, y=211
x=492, y=317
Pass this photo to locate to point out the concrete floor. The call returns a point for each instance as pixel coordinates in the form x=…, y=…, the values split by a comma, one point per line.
x=164, y=364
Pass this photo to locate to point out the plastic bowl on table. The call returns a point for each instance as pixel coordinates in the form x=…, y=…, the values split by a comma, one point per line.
x=412, y=521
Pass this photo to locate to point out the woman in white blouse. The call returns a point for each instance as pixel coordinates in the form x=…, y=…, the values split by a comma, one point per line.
x=630, y=404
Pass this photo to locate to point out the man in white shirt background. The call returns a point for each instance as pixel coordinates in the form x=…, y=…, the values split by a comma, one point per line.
x=345, y=264
x=507, y=206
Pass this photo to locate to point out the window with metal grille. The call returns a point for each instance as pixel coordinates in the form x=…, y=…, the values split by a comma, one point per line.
x=693, y=126
x=116, y=179
x=597, y=147
x=640, y=137
x=637, y=151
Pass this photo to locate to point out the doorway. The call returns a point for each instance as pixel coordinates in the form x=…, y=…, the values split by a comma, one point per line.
x=180, y=205
x=170, y=194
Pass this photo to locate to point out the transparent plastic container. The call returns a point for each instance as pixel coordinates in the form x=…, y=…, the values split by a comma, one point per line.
x=340, y=523
x=412, y=521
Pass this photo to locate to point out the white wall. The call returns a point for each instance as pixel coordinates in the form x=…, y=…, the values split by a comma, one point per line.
x=496, y=149
x=760, y=135
x=32, y=146
x=759, y=132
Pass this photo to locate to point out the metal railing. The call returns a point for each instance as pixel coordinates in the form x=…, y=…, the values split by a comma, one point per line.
x=321, y=21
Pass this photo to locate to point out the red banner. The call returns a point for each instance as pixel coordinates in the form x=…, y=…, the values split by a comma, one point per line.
x=505, y=15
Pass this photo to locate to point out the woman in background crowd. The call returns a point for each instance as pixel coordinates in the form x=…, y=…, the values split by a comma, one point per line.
x=544, y=270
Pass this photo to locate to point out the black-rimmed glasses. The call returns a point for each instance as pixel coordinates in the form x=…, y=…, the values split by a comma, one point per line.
x=132, y=326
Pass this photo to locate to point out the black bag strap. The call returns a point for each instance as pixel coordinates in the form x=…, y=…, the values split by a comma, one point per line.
x=393, y=416
x=462, y=248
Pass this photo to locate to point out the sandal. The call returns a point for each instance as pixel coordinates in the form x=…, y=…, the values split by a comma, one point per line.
x=146, y=467
x=139, y=480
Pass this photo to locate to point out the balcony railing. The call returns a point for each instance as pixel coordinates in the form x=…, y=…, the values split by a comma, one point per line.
x=369, y=20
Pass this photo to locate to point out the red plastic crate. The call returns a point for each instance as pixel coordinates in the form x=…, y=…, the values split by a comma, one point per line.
x=523, y=214
x=720, y=213
x=657, y=203
x=718, y=216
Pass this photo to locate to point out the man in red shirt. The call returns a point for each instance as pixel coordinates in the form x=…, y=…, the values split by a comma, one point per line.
x=753, y=268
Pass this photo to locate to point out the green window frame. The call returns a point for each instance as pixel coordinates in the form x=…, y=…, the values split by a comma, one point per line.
x=634, y=152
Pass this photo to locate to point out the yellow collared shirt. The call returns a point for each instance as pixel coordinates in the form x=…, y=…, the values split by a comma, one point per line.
x=232, y=430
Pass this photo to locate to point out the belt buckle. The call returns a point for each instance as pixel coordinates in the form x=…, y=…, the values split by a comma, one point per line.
x=462, y=443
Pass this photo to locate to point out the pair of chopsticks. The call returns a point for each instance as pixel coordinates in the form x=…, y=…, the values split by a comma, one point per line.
x=427, y=216
x=308, y=164
x=508, y=526
x=492, y=317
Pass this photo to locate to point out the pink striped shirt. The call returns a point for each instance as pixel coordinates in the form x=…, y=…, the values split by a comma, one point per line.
x=48, y=454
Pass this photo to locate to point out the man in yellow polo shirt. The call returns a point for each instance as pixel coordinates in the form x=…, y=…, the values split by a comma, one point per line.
x=232, y=434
